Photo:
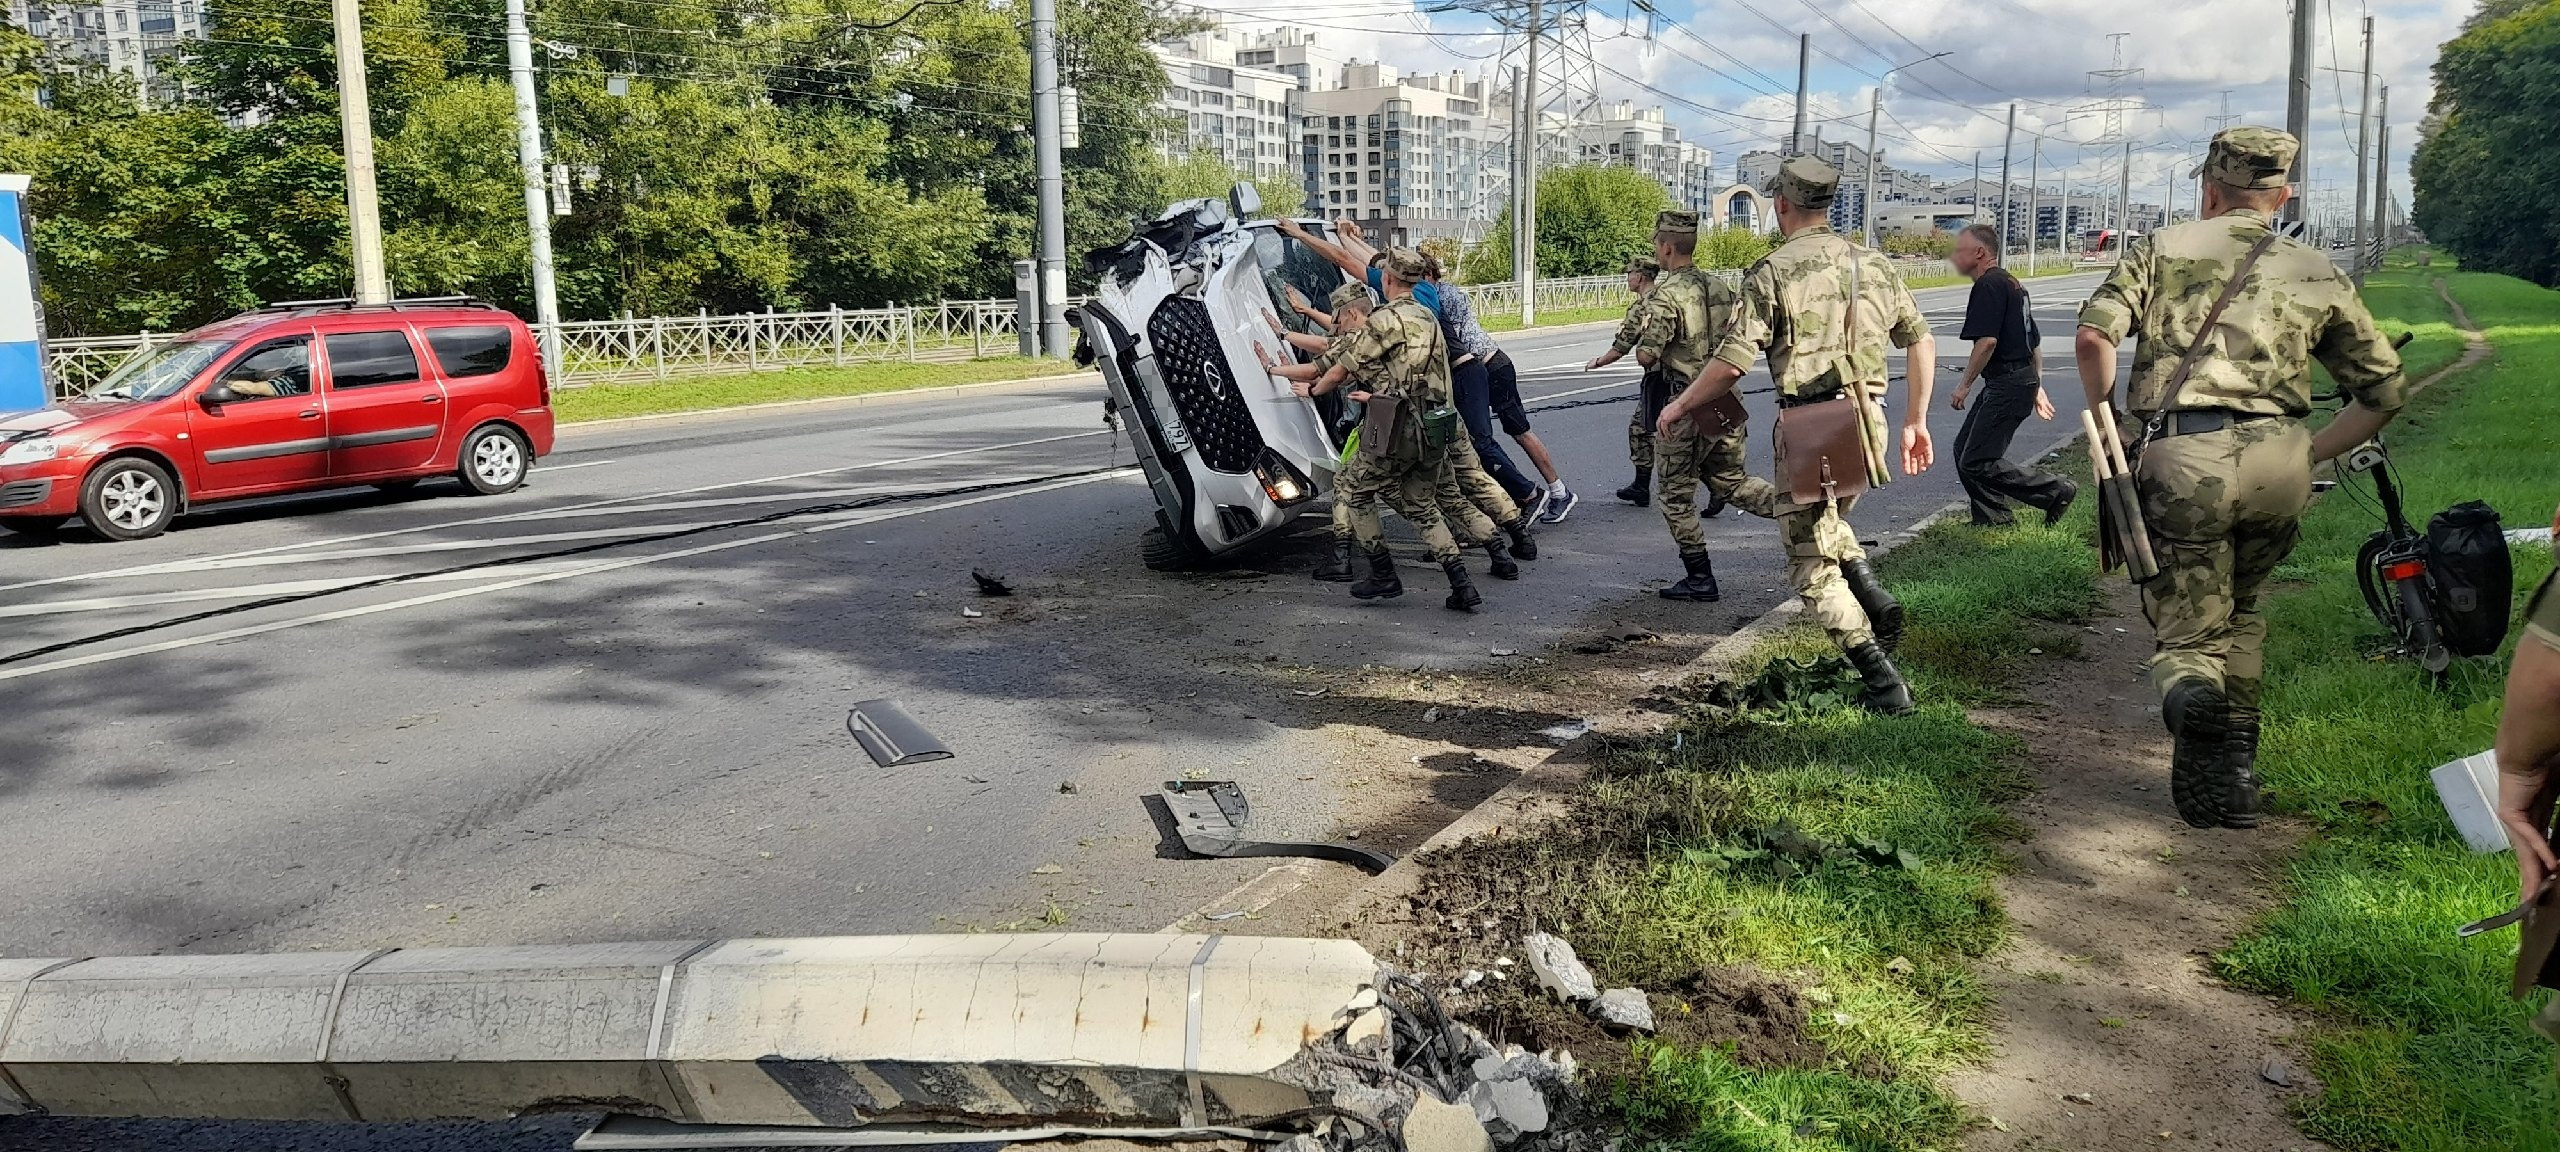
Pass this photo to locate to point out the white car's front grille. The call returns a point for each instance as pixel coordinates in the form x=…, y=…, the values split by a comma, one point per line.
x=1194, y=369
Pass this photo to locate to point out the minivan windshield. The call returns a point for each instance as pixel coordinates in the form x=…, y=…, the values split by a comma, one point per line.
x=159, y=372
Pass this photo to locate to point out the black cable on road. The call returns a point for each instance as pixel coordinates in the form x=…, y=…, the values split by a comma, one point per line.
x=885, y=498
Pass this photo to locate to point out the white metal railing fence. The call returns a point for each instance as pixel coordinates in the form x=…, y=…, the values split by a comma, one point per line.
x=641, y=348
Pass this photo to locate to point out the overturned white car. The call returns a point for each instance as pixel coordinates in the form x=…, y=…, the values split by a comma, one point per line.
x=1230, y=453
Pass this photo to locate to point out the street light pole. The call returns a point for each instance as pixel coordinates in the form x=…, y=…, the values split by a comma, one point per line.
x=355, y=125
x=537, y=206
x=2364, y=147
x=1051, y=180
x=1875, y=108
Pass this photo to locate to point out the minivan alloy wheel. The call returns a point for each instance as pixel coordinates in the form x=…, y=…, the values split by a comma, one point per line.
x=133, y=500
x=496, y=461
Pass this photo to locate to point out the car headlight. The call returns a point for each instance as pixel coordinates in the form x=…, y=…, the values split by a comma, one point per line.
x=30, y=450
x=1281, y=481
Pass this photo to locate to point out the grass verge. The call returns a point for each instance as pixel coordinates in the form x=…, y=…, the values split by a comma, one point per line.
x=2419, y=1046
x=703, y=393
x=1821, y=875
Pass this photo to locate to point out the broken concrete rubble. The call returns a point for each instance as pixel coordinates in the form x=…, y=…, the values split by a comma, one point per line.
x=1559, y=970
x=1625, y=1008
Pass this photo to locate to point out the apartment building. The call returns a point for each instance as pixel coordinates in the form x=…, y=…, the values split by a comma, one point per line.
x=1622, y=134
x=1411, y=157
x=139, y=38
x=1235, y=111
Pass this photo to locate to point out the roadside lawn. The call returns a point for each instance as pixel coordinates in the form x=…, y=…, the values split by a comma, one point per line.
x=700, y=393
x=1801, y=885
x=2418, y=1045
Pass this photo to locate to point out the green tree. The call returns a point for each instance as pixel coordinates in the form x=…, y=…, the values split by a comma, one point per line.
x=1591, y=218
x=2486, y=177
x=1731, y=247
x=1202, y=175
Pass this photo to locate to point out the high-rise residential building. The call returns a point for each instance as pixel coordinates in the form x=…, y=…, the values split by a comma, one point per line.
x=1237, y=112
x=1849, y=208
x=139, y=38
x=1411, y=157
x=1756, y=169
x=1293, y=52
x=1622, y=134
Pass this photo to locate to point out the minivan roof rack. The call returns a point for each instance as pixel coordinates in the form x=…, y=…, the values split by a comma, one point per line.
x=348, y=304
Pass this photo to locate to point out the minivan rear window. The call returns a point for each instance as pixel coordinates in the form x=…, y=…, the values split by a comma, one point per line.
x=475, y=351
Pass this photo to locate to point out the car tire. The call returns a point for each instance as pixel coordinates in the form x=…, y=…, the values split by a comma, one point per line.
x=1164, y=551
x=396, y=485
x=40, y=527
x=495, y=459
x=128, y=498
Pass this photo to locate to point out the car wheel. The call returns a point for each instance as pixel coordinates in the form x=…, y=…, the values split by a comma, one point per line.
x=494, y=460
x=128, y=499
x=1163, y=551
x=396, y=485
x=41, y=527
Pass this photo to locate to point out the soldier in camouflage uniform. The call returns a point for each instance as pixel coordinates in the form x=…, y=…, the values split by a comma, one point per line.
x=2224, y=464
x=1642, y=273
x=1683, y=322
x=1399, y=353
x=1470, y=501
x=1795, y=306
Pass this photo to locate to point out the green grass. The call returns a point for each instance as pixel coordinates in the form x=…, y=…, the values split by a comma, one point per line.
x=1690, y=852
x=2418, y=1045
x=702, y=393
x=1553, y=317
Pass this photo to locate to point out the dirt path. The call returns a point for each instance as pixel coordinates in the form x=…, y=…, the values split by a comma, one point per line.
x=2113, y=1034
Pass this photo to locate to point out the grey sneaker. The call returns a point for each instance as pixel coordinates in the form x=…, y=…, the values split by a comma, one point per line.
x=1560, y=502
x=1536, y=505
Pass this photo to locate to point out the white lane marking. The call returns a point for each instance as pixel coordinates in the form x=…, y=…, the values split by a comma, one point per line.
x=501, y=518
x=1576, y=392
x=580, y=464
x=234, y=592
x=84, y=660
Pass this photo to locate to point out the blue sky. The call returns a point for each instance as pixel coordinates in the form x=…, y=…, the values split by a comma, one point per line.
x=1738, y=58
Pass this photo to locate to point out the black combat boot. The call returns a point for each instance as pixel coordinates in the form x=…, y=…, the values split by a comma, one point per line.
x=2239, y=770
x=1884, y=613
x=1463, y=596
x=1381, y=583
x=2199, y=770
x=1639, y=493
x=1886, y=693
x=1524, y=543
x=1498, y=550
x=1699, y=584
x=1715, y=504
x=1337, y=569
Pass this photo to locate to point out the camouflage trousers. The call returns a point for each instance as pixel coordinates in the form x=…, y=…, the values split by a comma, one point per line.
x=1470, y=501
x=1639, y=440
x=1818, y=540
x=2224, y=508
x=1685, y=460
x=1411, y=487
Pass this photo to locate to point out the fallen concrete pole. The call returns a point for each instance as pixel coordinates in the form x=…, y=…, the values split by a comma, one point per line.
x=1085, y=1030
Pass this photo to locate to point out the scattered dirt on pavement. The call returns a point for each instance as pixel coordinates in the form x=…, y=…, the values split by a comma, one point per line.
x=2113, y=1033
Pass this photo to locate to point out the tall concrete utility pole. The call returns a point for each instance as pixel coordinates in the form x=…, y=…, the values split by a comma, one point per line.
x=1804, y=71
x=2124, y=197
x=2008, y=141
x=1519, y=172
x=537, y=206
x=2297, y=105
x=1867, y=193
x=2035, y=198
x=1527, y=224
x=2382, y=177
x=2364, y=148
x=355, y=125
x=1052, y=180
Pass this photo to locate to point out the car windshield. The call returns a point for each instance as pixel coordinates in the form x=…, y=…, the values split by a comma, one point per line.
x=160, y=371
x=1288, y=264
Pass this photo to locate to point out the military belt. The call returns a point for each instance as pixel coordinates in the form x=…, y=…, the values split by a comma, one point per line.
x=2189, y=421
x=1785, y=401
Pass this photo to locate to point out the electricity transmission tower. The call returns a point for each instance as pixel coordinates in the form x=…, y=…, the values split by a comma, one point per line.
x=1547, y=62
x=2111, y=111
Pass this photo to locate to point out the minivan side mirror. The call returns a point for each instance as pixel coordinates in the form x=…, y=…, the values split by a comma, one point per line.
x=218, y=395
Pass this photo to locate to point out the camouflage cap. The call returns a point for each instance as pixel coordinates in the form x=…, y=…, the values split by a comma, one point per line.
x=1643, y=266
x=1806, y=182
x=1347, y=296
x=1676, y=223
x=1407, y=264
x=2249, y=157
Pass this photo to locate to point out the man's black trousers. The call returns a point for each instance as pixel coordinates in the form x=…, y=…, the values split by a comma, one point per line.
x=1993, y=484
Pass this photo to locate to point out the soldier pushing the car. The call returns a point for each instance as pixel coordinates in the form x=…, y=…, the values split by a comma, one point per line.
x=1398, y=364
x=1799, y=306
x=2228, y=316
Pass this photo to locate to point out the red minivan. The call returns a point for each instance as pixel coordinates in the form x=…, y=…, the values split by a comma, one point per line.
x=290, y=398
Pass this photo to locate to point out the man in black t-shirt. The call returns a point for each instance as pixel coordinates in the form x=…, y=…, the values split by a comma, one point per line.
x=2002, y=328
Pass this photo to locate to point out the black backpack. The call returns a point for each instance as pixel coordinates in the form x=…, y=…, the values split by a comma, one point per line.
x=2474, y=578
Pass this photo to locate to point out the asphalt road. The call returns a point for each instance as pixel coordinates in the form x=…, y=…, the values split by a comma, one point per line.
x=648, y=740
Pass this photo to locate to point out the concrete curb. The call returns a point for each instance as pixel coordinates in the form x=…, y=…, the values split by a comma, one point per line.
x=856, y=400
x=1544, y=786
